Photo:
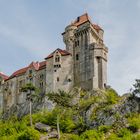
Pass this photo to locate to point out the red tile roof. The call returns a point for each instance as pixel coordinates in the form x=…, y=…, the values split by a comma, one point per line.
x=42, y=65
x=62, y=52
x=19, y=72
x=35, y=65
x=3, y=76
x=82, y=19
x=85, y=18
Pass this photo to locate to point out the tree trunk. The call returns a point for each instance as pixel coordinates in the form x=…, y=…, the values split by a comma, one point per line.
x=31, y=113
x=58, y=128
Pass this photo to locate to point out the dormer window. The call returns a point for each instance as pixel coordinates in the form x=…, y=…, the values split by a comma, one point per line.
x=57, y=58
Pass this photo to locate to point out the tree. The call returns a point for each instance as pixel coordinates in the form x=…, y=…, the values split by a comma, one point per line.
x=136, y=90
x=30, y=89
x=63, y=100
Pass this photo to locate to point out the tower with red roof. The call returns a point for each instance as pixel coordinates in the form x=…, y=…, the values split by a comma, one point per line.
x=84, y=40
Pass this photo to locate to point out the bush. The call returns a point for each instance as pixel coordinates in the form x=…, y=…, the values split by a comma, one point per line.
x=91, y=135
x=80, y=125
x=112, y=96
x=69, y=137
x=113, y=137
x=125, y=133
x=29, y=134
x=67, y=125
x=11, y=127
x=104, y=128
x=136, y=137
x=134, y=123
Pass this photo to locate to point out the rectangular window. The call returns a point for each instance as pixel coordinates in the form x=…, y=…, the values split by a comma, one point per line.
x=77, y=56
x=57, y=79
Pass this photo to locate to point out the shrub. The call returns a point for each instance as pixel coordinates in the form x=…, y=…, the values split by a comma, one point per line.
x=124, y=133
x=67, y=125
x=113, y=137
x=80, y=125
x=136, y=137
x=91, y=135
x=9, y=128
x=112, y=96
x=29, y=134
x=104, y=128
x=69, y=137
x=134, y=123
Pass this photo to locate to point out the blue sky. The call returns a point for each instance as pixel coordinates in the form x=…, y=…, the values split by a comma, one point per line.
x=31, y=29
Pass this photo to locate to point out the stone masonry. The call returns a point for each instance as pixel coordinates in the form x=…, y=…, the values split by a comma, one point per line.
x=83, y=64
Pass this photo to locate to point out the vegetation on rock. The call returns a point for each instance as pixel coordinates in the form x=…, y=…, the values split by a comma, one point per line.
x=83, y=115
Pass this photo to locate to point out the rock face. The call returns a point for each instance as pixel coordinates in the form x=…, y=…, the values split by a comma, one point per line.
x=112, y=113
x=95, y=109
x=22, y=109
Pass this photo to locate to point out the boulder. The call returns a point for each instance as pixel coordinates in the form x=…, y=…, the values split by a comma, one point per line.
x=52, y=134
x=42, y=127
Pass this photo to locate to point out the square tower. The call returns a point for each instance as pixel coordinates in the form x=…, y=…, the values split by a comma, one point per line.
x=84, y=40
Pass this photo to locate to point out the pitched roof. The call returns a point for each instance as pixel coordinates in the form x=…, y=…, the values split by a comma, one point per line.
x=62, y=52
x=18, y=72
x=42, y=65
x=36, y=65
x=3, y=76
x=85, y=18
x=82, y=19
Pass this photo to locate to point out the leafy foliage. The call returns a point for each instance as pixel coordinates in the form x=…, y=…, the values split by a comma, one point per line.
x=29, y=134
x=134, y=123
x=112, y=96
x=136, y=90
x=91, y=135
x=61, y=98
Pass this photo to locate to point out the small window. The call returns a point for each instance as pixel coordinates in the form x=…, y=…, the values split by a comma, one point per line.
x=77, y=56
x=69, y=80
x=99, y=59
x=57, y=79
x=78, y=43
x=75, y=43
x=30, y=71
x=41, y=84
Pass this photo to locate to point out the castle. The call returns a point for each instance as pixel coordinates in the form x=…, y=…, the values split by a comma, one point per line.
x=82, y=64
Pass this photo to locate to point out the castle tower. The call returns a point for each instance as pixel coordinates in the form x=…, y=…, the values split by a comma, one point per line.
x=84, y=40
x=69, y=37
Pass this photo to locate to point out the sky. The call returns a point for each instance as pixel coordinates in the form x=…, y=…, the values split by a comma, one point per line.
x=31, y=29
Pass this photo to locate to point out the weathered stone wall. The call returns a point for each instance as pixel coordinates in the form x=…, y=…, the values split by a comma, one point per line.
x=89, y=55
x=59, y=75
x=13, y=95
